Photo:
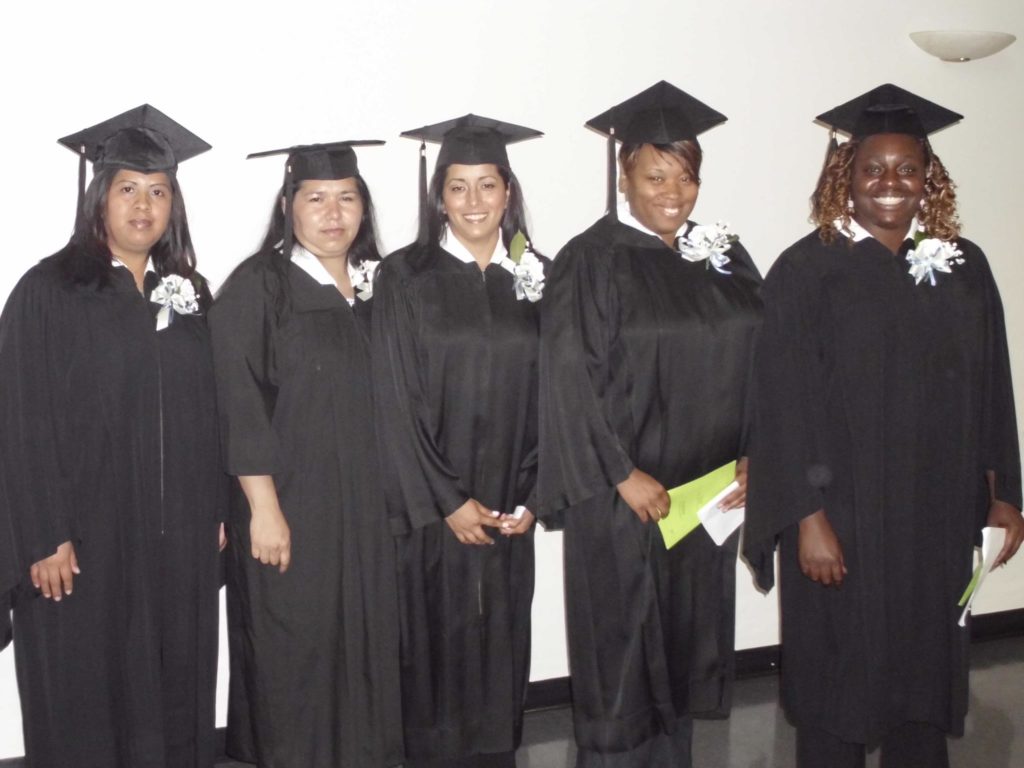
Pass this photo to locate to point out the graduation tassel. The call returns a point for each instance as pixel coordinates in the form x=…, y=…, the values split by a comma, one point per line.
x=289, y=194
x=80, y=208
x=612, y=178
x=833, y=145
x=421, y=236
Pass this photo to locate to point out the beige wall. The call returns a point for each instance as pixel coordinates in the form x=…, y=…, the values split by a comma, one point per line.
x=369, y=70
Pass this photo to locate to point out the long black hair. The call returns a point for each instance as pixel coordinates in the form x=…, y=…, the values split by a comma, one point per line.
x=513, y=219
x=364, y=247
x=86, y=259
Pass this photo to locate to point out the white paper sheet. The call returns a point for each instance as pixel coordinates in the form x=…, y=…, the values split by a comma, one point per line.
x=717, y=523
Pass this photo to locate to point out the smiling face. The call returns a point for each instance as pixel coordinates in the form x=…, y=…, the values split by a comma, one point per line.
x=326, y=215
x=661, y=191
x=474, y=199
x=137, y=212
x=887, y=185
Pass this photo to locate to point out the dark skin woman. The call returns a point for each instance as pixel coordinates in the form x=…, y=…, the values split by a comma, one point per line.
x=645, y=349
x=885, y=440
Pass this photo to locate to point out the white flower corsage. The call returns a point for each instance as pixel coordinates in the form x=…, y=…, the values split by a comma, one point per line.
x=362, y=279
x=930, y=255
x=708, y=242
x=527, y=270
x=177, y=293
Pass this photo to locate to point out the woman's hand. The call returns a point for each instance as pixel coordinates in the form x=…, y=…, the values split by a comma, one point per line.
x=54, y=575
x=222, y=538
x=516, y=526
x=269, y=534
x=737, y=498
x=1007, y=517
x=821, y=556
x=645, y=496
x=468, y=522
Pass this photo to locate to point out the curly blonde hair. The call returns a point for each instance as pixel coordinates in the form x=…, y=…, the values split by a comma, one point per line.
x=830, y=201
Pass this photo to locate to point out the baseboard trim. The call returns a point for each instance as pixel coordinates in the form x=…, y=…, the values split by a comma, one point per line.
x=750, y=662
x=767, y=660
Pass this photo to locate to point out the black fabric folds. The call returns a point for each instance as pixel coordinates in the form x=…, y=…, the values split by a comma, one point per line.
x=883, y=403
x=455, y=364
x=108, y=439
x=316, y=680
x=644, y=363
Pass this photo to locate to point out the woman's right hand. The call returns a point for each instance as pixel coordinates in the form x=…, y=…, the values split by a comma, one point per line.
x=821, y=555
x=269, y=535
x=468, y=522
x=645, y=496
x=54, y=575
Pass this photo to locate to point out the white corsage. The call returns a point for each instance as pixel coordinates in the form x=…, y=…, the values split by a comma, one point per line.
x=177, y=293
x=527, y=270
x=930, y=255
x=362, y=279
x=708, y=242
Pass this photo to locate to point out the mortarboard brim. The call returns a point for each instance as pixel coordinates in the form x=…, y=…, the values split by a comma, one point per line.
x=336, y=160
x=141, y=139
x=888, y=109
x=473, y=140
x=660, y=114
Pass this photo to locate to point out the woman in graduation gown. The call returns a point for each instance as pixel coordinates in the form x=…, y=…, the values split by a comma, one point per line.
x=455, y=365
x=110, y=469
x=313, y=603
x=646, y=344
x=885, y=439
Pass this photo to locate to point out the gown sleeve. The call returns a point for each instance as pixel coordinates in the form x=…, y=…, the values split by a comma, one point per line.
x=37, y=513
x=788, y=470
x=580, y=453
x=422, y=487
x=242, y=326
x=999, y=442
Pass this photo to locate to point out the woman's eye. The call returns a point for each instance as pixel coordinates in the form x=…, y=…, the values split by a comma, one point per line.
x=655, y=179
x=908, y=170
x=456, y=189
x=348, y=198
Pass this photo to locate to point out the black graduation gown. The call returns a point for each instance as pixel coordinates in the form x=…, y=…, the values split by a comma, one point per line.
x=319, y=661
x=455, y=372
x=883, y=403
x=644, y=364
x=108, y=438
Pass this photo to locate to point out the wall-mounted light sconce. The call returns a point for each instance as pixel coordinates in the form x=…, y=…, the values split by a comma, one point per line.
x=961, y=45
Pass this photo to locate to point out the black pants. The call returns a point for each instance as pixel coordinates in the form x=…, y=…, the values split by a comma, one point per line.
x=910, y=745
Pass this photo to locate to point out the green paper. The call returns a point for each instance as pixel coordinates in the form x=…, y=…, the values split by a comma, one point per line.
x=972, y=586
x=517, y=247
x=687, y=501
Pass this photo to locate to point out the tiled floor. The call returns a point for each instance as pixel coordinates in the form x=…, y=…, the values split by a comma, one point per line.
x=757, y=735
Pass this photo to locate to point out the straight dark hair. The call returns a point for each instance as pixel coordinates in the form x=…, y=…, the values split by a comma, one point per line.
x=86, y=259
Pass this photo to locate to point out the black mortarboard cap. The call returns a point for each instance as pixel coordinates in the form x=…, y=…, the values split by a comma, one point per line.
x=336, y=160
x=466, y=140
x=660, y=114
x=888, y=109
x=141, y=139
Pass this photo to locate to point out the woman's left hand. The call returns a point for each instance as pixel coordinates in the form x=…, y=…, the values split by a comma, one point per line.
x=737, y=498
x=222, y=538
x=1007, y=517
x=513, y=526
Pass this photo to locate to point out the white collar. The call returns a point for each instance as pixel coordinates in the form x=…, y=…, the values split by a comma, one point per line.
x=455, y=247
x=859, y=233
x=625, y=217
x=312, y=266
x=116, y=262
